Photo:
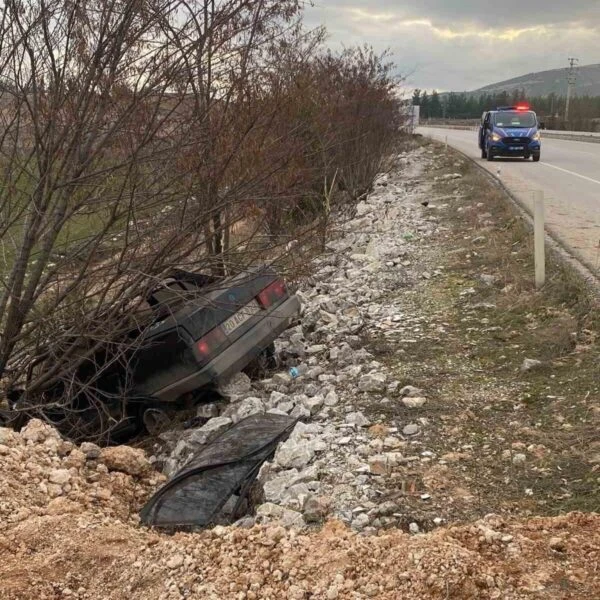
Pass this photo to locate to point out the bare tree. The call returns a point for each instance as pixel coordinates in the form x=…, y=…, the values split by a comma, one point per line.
x=139, y=136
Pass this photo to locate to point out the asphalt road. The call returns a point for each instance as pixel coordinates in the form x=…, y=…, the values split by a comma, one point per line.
x=568, y=174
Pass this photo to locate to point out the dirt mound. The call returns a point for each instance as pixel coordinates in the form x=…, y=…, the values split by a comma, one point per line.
x=41, y=474
x=69, y=529
x=86, y=556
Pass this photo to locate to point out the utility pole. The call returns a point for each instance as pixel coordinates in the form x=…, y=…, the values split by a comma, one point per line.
x=571, y=80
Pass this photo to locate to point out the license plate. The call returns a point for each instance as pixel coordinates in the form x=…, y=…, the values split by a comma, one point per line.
x=516, y=147
x=240, y=317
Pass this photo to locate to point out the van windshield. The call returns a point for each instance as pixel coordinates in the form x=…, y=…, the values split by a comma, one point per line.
x=514, y=118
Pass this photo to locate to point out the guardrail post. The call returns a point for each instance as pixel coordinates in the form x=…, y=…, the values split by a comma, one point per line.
x=446, y=143
x=539, y=239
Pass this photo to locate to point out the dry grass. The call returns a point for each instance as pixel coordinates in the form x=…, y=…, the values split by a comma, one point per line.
x=481, y=405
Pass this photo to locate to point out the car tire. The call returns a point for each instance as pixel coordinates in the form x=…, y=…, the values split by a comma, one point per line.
x=483, y=153
x=536, y=157
x=155, y=420
x=490, y=156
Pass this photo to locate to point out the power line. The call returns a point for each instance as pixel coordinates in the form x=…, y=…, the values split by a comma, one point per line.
x=571, y=80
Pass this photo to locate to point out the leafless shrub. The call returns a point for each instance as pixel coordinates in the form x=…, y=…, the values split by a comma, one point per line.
x=140, y=136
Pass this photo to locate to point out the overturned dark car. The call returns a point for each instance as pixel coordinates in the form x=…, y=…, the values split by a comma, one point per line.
x=201, y=331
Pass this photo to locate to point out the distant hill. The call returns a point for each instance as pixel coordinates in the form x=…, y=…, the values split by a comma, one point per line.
x=547, y=82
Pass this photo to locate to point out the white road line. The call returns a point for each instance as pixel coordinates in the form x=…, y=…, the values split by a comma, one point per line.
x=570, y=172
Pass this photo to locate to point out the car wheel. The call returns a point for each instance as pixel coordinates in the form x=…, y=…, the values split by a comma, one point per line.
x=490, y=155
x=536, y=157
x=156, y=420
x=262, y=364
x=483, y=153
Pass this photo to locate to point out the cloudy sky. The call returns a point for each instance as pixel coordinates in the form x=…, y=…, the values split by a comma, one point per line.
x=465, y=44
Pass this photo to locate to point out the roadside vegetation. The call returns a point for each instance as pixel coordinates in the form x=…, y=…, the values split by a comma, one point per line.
x=137, y=137
x=511, y=373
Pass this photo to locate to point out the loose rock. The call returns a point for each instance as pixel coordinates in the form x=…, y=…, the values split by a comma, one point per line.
x=411, y=429
x=125, y=459
x=529, y=364
x=414, y=402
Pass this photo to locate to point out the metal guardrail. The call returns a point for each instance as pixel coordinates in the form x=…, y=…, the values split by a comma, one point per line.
x=579, y=136
x=570, y=133
x=576, y=136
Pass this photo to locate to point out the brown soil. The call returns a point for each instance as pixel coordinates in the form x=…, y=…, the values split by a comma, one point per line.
x=80, y=556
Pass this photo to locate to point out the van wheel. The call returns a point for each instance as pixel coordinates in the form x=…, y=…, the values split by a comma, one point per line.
x=536, y=157
x=489, y=156
x=483, y=153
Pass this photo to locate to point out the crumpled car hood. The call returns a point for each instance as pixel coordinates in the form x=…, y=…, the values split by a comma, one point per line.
x=228, y=465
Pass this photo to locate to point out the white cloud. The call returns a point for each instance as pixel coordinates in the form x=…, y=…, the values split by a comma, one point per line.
x=468, y=44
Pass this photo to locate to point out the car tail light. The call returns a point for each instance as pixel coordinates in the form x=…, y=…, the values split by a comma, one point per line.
x=210, y=342
x=272, y=293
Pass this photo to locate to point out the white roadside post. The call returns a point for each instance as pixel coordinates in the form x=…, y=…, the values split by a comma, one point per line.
x=538, y=238
x=446, y=143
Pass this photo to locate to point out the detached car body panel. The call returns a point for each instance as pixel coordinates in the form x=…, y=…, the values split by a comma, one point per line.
x=510, y=131
x=198, y=494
